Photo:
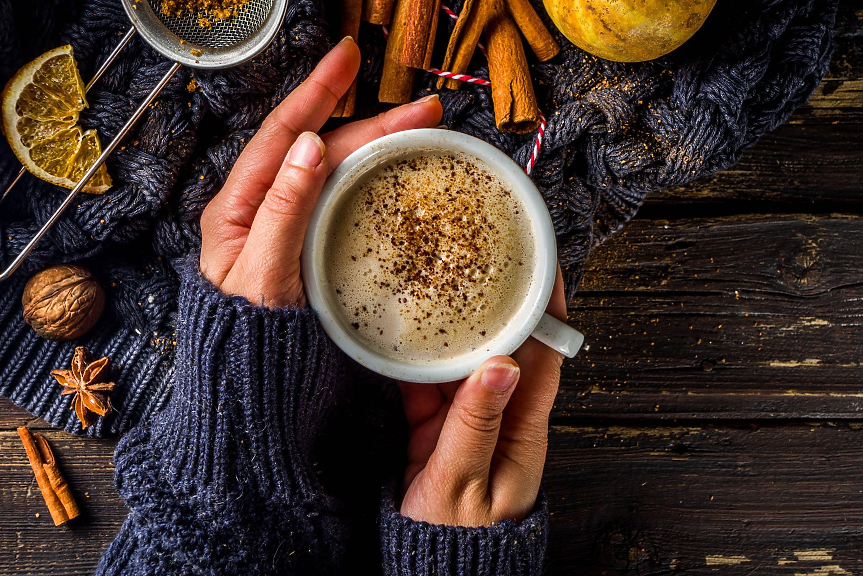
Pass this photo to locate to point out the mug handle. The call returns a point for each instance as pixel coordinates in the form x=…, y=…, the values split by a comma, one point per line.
x=558, y=336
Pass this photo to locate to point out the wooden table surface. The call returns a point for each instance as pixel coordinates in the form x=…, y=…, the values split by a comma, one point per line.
x=714, y=423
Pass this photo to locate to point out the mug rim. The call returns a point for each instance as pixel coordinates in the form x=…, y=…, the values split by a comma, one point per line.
x=517, y=329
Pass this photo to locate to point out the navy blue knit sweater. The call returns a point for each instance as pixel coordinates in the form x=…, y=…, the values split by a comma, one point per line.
x=223, y=480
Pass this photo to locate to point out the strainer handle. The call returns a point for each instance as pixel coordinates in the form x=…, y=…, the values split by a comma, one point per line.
x=99, y=161
x=117, y=49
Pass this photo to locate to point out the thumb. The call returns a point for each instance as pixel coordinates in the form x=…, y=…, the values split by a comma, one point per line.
x=268, y=268
x=469, y=435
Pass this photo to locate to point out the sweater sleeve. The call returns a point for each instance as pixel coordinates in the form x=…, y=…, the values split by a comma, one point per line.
x=422, y=549
x=222, y=481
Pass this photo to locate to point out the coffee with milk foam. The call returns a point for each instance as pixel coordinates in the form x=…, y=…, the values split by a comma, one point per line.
x=429, y=257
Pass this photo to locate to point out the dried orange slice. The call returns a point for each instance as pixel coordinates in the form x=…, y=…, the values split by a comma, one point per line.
x=41, y=104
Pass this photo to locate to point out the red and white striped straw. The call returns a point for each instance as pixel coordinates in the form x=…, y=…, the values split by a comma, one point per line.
x=460, y=77
x=534, y=153
x=448, y=11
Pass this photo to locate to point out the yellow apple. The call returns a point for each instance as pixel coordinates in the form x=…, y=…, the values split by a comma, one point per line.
x=628, y=30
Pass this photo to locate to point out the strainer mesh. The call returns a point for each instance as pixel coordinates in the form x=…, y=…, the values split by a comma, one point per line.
x=220, y=33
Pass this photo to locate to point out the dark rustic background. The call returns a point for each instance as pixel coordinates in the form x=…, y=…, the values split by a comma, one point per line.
x=714, y=423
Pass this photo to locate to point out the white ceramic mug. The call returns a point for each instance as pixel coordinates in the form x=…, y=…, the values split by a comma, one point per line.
x=529, y=320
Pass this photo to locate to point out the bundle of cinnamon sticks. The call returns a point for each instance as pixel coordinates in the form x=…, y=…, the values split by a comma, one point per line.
x=412, y=29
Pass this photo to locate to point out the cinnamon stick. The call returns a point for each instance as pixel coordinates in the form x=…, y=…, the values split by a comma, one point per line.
x=463, y=41
x=377, y=11
x=537, y=35
x=349, y=26
x=515, y=107
x=397, y=80
x=420, y=29
x=54, y=489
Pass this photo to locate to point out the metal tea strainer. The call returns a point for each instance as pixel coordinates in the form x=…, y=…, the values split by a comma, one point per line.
x=194, y=40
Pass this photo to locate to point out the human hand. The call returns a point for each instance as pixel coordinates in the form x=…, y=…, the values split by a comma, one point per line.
x=252, y=231
x=477, y=447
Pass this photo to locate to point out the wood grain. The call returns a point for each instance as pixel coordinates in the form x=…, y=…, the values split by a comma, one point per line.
x=31, y=544
x=780, y=500
x=737, y=317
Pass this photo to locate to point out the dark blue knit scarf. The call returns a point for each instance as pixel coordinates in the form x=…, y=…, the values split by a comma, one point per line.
x=615, y=132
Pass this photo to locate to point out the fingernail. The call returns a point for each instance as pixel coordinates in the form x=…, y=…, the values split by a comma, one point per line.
x=307, y=151
x=347, y=38
x=426, y=99
x=500, y=377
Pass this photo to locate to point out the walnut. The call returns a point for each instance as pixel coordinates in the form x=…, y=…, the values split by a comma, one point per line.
x=63, y=302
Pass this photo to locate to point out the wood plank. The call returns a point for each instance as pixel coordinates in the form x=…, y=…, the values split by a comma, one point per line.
x=815, y=161
x=737, y=317
x=704, y=500
x=29, y=541
x=625, y=500
x=11, y=416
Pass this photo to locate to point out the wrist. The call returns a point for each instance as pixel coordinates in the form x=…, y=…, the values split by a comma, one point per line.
x=256, y=288
x=471, y=507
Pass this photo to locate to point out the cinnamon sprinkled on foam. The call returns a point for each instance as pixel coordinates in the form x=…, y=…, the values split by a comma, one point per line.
x=430, y=257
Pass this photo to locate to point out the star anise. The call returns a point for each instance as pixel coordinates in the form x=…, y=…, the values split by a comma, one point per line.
x=86, y=380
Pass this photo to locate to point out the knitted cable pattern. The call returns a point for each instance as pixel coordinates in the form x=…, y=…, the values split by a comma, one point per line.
x=615, y=132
